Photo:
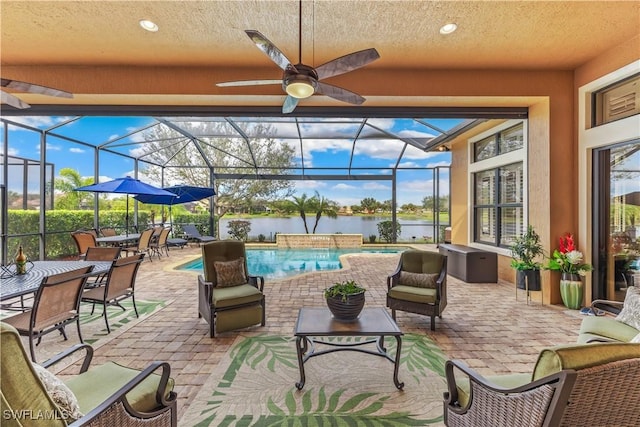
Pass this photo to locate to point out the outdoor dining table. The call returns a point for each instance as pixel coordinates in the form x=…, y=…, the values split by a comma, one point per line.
x=119, y=240
x=24, y=284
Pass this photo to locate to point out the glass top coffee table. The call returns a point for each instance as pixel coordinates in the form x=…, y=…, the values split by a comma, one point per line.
x=318, y=322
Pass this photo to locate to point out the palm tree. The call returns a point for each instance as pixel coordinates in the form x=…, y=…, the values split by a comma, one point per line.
x=322, y=205
x=301, y=205
x=69, y=180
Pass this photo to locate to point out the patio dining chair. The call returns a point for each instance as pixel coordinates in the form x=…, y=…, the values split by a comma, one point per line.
x=101, y=253
x=118, y=286
x=84, y=240
x=143, y=246
x=56, y=304
x=108, y=231
x=193, y=233
x=160, y=244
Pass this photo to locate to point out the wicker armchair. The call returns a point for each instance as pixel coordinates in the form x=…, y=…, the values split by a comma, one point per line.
x=419, y=284
x=229, y=306
x=106, y=395
x=577, y=385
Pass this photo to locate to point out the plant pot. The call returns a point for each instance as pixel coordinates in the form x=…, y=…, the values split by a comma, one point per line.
x=347, y=310
x=528, y=279
x=571, y=290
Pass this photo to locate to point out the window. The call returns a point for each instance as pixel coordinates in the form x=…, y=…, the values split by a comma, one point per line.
x=498, y=176
x=617, y=101
x=499, y=143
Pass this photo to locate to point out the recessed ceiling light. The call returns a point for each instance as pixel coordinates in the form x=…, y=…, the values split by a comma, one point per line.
x=448, y=28
x=148, y=25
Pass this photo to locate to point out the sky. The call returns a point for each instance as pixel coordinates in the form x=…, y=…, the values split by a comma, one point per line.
x=329, y=146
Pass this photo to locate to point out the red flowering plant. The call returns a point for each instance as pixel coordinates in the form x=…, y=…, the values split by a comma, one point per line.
x=567, y=259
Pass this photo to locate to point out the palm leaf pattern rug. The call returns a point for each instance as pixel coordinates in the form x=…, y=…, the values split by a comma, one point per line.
x=254, y=385
x=92, y=326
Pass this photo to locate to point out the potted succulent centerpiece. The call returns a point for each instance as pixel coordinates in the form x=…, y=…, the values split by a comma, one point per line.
x=345, y=300
x=568, y=261
x=525, y=251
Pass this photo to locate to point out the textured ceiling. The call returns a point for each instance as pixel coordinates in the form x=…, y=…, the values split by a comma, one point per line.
x=40, y=40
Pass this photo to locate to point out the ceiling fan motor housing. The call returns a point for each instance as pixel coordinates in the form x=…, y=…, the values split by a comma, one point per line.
x=301, y=81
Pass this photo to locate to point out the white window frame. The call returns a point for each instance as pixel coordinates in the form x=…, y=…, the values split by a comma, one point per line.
x=516, y=156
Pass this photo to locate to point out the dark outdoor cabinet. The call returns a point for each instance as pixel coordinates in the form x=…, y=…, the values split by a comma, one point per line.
x=472, y=265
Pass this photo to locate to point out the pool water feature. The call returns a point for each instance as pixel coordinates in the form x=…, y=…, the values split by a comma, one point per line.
x=273, y=263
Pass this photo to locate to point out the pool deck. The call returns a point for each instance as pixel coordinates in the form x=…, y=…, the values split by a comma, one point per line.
x=483, y=324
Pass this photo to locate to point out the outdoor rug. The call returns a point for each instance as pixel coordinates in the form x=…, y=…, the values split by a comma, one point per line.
x=254, y=385
x=93, y=328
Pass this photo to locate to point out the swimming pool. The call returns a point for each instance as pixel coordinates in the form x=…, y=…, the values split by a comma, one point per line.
x=273, y=263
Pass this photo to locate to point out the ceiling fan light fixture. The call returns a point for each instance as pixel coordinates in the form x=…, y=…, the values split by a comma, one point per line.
x=448, y=28
x=300, y=86
x=148, y=25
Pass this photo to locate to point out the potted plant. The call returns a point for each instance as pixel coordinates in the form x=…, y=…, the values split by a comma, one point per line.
x=568, y=261
x=345, y=300
x=524, y=251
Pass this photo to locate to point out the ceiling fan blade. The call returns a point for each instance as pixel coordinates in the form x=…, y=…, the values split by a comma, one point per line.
x=15, y=102
x=270, y=50
x=290, y=104
x=347, y=63
x=339, y=93
x=33, y=88
x=249, y=83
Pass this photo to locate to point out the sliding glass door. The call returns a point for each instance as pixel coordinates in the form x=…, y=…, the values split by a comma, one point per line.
x=616, y=220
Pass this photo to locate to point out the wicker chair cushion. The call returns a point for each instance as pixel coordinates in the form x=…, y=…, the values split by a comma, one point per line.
x=416, y=261
x=230, y=273
x=94, y=386
x=607, y=327
x=580, y=356
x=630, y=313
x=419, y=280
x=635, y=340
x=60, y=393
x=235, y=295
x=21, y=388
x=413, y=294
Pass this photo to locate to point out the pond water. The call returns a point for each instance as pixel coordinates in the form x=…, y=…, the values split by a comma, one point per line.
x=274, y=263
x=365, y=225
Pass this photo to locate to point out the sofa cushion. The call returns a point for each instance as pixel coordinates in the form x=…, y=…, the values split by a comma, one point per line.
x=419, y=280
x=59, y=393
x=94, y=386
x=230, y=273
x=630, y=313
x=607, y=327
x=413, y=294
x=235, y=295
x=580, y=356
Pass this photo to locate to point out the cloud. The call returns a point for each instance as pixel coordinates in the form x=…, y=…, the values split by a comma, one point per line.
x=50, y=147
x=441, y=163
x=40, y=122
x=343, y=186
x=303, y=186
x=77, y=150
x=375, y=186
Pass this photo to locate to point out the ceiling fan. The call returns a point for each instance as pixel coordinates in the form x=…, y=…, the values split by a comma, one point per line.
x=15, y=102
x=301, y=81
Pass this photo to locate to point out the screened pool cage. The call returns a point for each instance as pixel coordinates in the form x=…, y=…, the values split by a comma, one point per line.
x=223, y=152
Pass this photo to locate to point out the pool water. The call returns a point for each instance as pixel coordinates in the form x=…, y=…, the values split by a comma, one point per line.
x=281, y=263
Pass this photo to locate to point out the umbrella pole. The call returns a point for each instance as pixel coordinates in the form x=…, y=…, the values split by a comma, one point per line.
x=126, y=218
x=171, y=221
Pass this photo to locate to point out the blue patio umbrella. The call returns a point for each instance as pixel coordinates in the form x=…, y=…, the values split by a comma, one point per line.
x=180, y=194
x=126, y=185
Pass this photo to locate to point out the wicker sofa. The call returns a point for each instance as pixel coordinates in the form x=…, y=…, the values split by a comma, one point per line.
x=571, y=385
x=615, y=321
x=105, y=395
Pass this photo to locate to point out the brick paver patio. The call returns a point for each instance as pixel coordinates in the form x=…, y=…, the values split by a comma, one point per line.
x=483, y=324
